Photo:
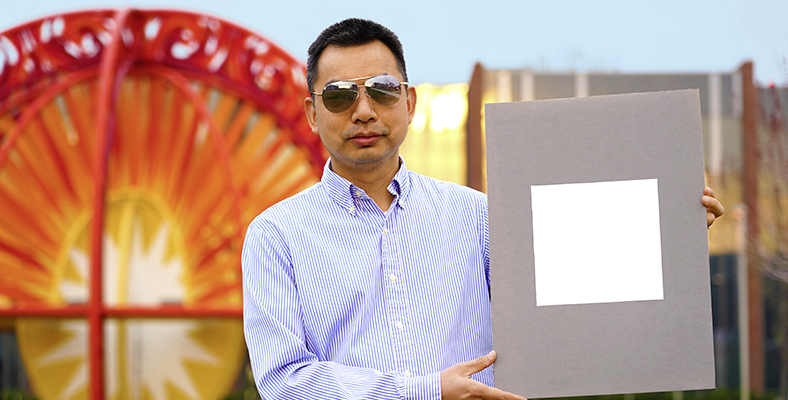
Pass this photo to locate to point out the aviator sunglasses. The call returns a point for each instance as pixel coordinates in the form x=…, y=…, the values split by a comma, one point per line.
x=339, y=96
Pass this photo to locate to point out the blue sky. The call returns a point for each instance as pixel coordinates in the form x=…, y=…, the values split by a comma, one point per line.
x=443, y=39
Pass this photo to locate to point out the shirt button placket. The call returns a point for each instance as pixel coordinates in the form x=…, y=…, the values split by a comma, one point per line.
x=407, y=350
x=396, y=294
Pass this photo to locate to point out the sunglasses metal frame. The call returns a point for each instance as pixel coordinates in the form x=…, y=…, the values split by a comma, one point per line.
x=357, y=91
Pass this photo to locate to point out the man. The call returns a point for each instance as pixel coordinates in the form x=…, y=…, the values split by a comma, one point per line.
x=374, y=283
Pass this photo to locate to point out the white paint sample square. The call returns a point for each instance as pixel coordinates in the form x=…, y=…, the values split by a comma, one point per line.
x=597, y=242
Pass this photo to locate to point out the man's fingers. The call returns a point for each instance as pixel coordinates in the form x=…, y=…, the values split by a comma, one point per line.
x=710, y=201
x=717, y=208
x=714, y=208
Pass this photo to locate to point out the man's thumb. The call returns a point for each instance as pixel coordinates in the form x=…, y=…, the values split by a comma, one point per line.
x=482, y=362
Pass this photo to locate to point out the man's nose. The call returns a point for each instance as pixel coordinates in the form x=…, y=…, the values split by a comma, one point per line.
x=364, y=108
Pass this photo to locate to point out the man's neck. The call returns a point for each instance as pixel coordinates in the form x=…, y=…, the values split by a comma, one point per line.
x=374, y=181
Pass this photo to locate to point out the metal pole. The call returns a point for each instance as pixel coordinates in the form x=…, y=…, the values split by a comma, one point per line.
x=108, y=71
x=750, y=196
x=743, y=311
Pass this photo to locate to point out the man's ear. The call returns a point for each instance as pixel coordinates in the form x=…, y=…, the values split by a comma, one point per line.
x=311, y=114
x=411, y=103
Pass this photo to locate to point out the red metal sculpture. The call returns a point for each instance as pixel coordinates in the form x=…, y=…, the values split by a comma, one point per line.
x=122, y=124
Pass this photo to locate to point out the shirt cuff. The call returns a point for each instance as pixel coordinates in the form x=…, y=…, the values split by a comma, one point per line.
x=425, y=387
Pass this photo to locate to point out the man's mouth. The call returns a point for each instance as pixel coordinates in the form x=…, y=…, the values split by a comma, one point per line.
x=365, y=139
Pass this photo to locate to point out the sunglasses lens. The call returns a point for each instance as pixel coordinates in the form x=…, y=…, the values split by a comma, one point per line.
x=384, y=89
x=339, y=96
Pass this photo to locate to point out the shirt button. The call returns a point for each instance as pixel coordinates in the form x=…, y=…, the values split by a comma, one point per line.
x=385, y=231
x=358, y=193
x=407, y=373
x=352, y=209
x=400, y=325
x=392, y=277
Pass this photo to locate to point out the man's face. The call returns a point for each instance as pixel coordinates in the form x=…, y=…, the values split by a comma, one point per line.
x=366, y=136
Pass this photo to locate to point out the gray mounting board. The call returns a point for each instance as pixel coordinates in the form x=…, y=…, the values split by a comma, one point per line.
x=594, y=347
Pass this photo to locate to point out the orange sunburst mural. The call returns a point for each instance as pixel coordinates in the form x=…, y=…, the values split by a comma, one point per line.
x=204, y=130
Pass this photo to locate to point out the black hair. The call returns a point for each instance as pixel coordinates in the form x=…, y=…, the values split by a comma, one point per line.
x=352, y=32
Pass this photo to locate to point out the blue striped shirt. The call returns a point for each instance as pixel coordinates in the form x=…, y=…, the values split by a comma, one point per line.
x=344, y=301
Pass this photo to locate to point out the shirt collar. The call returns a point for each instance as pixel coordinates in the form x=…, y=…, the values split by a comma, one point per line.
x=343, y=192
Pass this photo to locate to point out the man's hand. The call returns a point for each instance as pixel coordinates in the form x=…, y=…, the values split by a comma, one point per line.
x=456, y=382
x=714, y=208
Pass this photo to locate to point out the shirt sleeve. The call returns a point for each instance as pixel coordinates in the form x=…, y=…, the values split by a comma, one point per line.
x=276, y=338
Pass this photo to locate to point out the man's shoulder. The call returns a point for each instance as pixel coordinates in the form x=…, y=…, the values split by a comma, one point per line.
x=288, y=208
x=436, y=187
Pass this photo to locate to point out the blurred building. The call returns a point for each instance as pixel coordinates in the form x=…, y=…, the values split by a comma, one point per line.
x=436, y=142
